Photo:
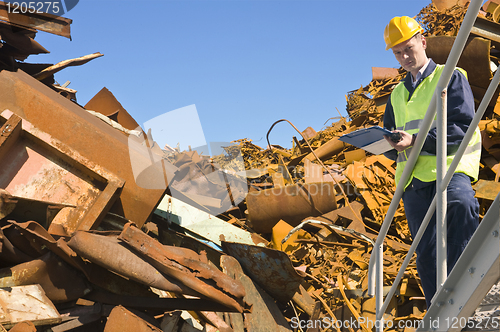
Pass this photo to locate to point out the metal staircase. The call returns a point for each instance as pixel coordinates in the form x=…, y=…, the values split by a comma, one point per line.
x=468, y=299
x=488, y=312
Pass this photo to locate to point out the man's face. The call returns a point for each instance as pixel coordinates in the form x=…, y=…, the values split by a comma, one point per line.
x=411, y=54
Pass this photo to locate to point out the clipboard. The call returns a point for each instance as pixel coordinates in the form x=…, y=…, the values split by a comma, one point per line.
x=369, y=139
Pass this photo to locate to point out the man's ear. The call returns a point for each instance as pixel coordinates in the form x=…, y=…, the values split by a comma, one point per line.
x=424, y=42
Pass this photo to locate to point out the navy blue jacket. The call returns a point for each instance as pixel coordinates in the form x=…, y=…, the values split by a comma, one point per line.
x=460, y=104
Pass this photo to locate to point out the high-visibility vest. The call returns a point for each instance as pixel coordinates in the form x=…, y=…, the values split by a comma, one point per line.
x=409, y=115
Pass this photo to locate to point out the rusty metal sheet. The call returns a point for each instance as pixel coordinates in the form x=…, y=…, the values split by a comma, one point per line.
x=475, y=58
x=355, y=155
x=105, y=103
x=123, y=320
x=24, y=327
x=89, y=136
x=309, y=133
x=312, y=172
x=60, y=281
x=486, y=189
x=265, y=315
x=442, y=5
x=7, y=204
x=188, y=267
x=57, y=25
x=43, y=168
x=22, y=42
x=110, y=253
x=291, y=203
x=270, y=268
x=380, y=73
x=80, y=315
x=10, y=254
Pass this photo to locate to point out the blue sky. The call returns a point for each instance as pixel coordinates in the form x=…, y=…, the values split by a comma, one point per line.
x=243, y=64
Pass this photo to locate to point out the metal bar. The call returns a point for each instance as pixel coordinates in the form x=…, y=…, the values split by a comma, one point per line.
x=441, y=231
x=380, y=284
x=451, y=62
x=453, y=166
x=486, y=29
x=56, y=25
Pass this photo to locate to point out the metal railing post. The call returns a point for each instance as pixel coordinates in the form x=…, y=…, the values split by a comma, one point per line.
x=379, y=291
x=441, y=224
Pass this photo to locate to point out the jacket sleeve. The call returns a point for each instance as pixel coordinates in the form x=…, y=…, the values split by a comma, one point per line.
x=460, y=103
x=390, y=124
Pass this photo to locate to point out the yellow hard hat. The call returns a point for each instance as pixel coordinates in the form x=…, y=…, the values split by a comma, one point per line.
x=400, y=29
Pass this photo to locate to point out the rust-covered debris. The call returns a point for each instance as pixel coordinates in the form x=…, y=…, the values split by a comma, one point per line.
x=255, y=243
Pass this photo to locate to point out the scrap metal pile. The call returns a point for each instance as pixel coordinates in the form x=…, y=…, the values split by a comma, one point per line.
x=104, y=230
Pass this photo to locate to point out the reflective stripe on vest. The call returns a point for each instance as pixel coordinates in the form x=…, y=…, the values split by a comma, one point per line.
x=409, y=117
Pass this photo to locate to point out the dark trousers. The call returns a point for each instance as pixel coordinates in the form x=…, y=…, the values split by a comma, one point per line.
x=462, y=217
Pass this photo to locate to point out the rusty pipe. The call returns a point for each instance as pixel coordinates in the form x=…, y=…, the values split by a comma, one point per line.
x=110, y=253
x=290, y=203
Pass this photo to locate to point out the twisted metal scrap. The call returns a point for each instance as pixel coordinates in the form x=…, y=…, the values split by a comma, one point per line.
x=441, y=23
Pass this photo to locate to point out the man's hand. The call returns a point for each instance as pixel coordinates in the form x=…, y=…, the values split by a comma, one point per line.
x=404, y=143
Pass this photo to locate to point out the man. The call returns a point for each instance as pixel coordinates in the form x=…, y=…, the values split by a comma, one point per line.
x=404, y=113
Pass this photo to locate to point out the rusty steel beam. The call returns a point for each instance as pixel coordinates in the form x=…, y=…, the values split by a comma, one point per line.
x=180, y=264
x=291, y=203
x=89, y=136
x=56, y=25
x=486, y=29
x=41, y=167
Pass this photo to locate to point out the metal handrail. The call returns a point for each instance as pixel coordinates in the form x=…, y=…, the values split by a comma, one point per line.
x=377, y=253
x=446, y=180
